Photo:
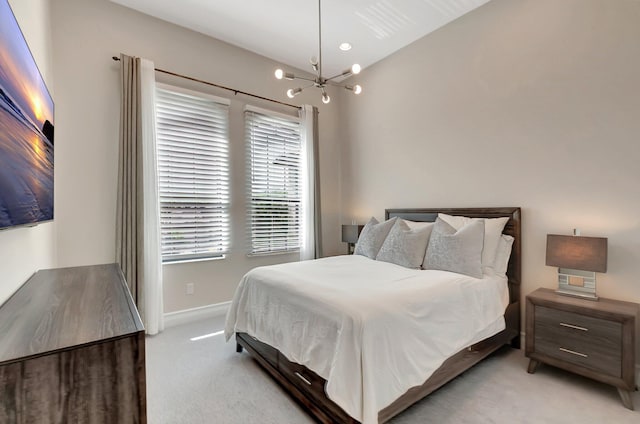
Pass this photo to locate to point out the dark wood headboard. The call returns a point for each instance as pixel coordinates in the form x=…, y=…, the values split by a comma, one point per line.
x=512, y=228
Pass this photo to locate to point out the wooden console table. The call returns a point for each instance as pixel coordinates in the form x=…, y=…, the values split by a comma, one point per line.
x=72, y=350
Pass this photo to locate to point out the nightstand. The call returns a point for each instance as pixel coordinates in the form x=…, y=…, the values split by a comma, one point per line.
x=596, y=339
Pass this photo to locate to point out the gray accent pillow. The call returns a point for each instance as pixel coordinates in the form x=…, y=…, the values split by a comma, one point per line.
x=404, y=246
x=372, y=236
x=456, y=251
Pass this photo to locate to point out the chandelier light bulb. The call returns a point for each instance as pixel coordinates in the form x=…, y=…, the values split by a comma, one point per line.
x=314, y=63
x=356, y=89
x=355, y=69
x=325, y=98
x=292, y=92
x=279, y=74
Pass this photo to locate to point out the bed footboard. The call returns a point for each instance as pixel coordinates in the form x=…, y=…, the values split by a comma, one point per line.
x=307, y=388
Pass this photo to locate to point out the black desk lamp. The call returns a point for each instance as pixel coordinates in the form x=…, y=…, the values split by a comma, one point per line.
x=350, y=234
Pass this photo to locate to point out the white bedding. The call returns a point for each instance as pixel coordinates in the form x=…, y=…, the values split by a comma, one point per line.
x=372, y=329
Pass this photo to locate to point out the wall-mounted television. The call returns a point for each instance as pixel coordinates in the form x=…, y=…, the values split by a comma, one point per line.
x=26, y=131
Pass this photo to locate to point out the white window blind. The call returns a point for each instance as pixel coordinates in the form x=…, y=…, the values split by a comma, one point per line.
x=193, y=168
x=275, y=186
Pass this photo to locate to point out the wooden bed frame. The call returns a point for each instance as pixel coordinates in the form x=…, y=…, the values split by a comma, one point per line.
x=307, y=387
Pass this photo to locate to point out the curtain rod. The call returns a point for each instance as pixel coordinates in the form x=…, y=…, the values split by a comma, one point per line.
x=236, y=92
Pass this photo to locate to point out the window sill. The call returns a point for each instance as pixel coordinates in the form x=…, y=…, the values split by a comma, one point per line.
x=258, y=255
x=186, y=261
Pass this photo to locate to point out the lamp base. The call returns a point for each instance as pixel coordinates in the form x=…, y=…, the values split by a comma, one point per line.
x=577, y=283
x=587, y=296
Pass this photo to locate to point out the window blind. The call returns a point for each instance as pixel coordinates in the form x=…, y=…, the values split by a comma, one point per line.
x=193, y=168
x=275, y=186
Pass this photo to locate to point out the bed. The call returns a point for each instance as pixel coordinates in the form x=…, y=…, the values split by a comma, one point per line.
x=369, y=374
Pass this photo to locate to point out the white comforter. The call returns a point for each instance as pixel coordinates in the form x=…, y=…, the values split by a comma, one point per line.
x=371, y=329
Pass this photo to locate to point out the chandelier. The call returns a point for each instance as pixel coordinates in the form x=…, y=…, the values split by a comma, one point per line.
x=319, y=81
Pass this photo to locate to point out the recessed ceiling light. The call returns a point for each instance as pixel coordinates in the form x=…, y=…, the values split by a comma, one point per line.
x=345, y=47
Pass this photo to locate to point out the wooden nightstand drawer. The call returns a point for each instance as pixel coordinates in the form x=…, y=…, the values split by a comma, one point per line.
x=579, y=339
x=569, y=323
x=595, y=339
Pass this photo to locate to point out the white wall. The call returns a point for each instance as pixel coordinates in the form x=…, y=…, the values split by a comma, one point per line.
x=26, y=250
x=86, y=33
x=530, y=103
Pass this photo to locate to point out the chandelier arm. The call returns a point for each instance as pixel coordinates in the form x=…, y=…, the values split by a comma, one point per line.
x=306, y=86
x=341, y=74
x=303, y=78
x=335, y=84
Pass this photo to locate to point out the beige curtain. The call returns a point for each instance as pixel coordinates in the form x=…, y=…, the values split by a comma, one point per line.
x=312, y=223
x=137, y=219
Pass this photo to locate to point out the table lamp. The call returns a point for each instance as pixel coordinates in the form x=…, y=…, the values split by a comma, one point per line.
x=578, y=259
x=350, y=234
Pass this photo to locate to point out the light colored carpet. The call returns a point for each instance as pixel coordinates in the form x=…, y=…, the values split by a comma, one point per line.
x=206, y=381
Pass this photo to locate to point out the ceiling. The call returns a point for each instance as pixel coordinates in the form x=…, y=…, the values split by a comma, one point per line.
x=287, y=30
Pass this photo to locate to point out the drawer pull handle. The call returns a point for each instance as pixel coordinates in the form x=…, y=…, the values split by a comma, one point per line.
x=575, y=327
x=301, y=377
x=573, y=352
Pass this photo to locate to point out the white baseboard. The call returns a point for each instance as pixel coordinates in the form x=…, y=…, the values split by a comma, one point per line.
x=172, y=319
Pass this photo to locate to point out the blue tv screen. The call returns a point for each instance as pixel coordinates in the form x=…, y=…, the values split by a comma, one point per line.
x=26, y=131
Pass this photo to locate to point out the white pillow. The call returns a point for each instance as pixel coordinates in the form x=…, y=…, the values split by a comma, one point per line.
x=503, y=254
x=372, y=236
x=418, y=225
x=405, y=246
x=492, y=231
x=456, y=250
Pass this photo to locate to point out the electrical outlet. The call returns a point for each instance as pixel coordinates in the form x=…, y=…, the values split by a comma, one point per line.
x=190, y=288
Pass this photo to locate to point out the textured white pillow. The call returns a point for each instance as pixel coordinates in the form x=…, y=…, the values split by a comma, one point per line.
x=404, y=246
x=456, y=250
x=503, y=254
x=416, y=225
x=492, y=231
x=372, y=236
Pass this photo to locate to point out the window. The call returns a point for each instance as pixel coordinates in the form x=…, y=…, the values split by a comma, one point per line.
x=193, y=174
x=275, y=186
